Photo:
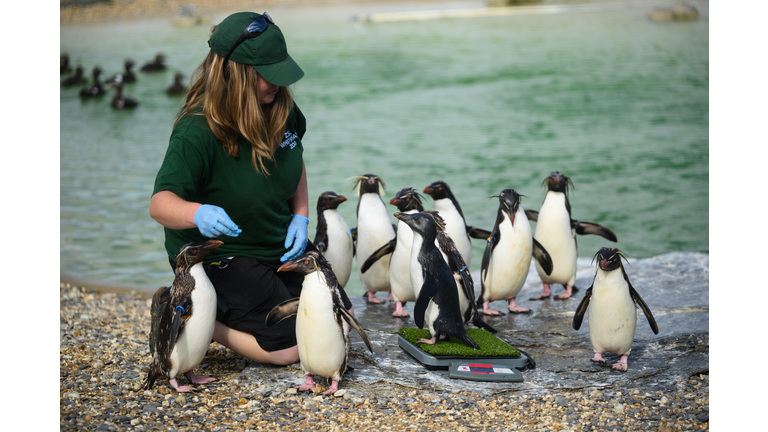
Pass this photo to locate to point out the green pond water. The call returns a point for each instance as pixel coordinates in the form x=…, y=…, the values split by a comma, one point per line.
x=616, y=101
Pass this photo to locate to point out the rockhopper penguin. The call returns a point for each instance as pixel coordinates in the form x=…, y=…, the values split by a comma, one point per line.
x=556, y=231
x=455, y=224
x=508, y=253
x=185, y=325
x=322, y=321
x=406, y=200
x=332, y=236
x=612, y=303
x=374, y=230
x=438, y=300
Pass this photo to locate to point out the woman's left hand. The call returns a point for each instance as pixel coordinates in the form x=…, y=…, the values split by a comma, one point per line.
x=297, y=236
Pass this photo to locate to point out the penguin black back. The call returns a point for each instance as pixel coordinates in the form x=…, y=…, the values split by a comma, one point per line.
x=439, y=284
x=327, y=200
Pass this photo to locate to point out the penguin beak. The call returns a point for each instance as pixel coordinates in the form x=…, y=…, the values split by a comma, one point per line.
x=290, y=265
x=212, y=244
x=394, y=201
x=341, y=199
x=603, y=263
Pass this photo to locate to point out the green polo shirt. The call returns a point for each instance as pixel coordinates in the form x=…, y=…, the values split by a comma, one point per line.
x=197, y=168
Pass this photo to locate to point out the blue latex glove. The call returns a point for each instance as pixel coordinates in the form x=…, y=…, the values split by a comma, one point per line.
x=297, y=236
x=212, y=221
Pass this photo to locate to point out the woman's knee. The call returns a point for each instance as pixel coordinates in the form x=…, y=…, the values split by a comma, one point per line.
x=285, y=356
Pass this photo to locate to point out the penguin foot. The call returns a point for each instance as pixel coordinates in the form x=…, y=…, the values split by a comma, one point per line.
x=309, y=384
x=332, y=389
x=399, y=312
x=390, y=298
x=515, y=309
x=199, y=379
x=370, y=298
x=544, y=295
x=491, y=312
x=621, y=365
x=597, y=358
x=567, y=294
x=428, y=341
x=180, y=389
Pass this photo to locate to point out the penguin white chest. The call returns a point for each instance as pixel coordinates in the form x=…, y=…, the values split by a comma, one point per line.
x=339, y=251
x=416, y=270
x=553, y=231
x=193, y=341
x=374, y=230
x=400, y=264
x=612, y=314
x=510, y=260
x=455, y=227
x=322, y=340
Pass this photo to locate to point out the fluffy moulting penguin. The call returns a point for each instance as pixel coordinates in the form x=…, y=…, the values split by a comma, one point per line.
x=556, y=231
x=322, y=321
x=508, y=253
x=438, y=300
x=612, y=303
x=374, y=230
x=406, y=200
x=455, y=224
x=183, y=319
x=332, y=236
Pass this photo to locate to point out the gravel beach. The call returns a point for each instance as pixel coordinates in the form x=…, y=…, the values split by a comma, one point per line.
x=104, y=357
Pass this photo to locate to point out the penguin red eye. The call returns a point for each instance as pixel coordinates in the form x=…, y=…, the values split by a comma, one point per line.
x=306, y=261
x=193, y=252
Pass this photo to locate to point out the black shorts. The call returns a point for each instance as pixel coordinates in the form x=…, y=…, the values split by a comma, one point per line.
x=248, y=289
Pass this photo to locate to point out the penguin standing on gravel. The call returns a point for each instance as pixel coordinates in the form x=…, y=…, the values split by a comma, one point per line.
x=184, y=324
x=455, y=225
x=612, y=303
x=438, y=300
x=322, y=321
x=374, y=230
x=508, y=253
x=406, y=200
x=556, y=231
x=332, y=236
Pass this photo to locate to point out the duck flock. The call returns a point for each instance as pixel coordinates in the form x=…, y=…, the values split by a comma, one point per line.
x=94, y=88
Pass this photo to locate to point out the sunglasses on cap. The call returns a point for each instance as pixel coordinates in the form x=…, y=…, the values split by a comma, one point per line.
x=254, y=29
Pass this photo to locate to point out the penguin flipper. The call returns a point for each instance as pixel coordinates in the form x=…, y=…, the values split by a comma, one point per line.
x=464, y=337
x=532, y=215
x=350, y=319
x=162, y=295
x=282, y=311
x=542, y=257
x=178, y=313
x=353, y=231
x=489, y=245
x=420, y=308
x=482, y=324
x=584, y=227
x=646, y=310
x=582, y=308
x=378, y=254
x=321, y=243
x=478, y=233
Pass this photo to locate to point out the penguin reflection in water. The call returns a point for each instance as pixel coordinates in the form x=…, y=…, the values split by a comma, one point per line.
x=322, y=321
x=183, y=319
x=612, y=309
x=438, y=300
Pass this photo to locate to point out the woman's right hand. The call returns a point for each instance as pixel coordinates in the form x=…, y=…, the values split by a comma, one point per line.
x=212, y=221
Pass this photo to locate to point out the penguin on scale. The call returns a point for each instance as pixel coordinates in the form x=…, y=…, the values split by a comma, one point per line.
x=438, y=301
x=556, y=231
x=406, y=200
x=322, y=321
x=507, y=256
x=374, y=229
x=183, y=319
x=612, y=303
x=455, y=224
x=332, y=236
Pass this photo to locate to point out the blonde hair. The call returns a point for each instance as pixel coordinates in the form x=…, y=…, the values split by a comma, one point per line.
x=228, y=96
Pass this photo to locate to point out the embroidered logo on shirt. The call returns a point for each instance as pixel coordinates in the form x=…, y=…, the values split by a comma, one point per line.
x=290, y=140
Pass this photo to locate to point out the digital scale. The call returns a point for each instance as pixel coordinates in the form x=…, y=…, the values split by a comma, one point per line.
x=499, y=369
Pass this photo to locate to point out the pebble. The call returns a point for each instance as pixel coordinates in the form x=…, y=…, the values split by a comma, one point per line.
x=103, y=369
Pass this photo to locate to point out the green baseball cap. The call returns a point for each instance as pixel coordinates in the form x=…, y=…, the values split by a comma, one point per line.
x=267, y=52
